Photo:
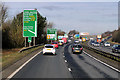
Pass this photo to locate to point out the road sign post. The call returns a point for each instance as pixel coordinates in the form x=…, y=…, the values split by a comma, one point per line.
x=25, y=42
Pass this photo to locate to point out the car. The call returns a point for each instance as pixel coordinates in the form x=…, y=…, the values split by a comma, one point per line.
x=116, y=48
x=107, y=44
x=96, y=44
x=76, y=41
x=92, y=42
x=77, y=48
x=80, y=40
x=102, y=43
x=55, y=44
x=49, y=48
x=60, y=42
x=69, y=40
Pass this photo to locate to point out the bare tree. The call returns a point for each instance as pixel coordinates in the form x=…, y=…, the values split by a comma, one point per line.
x=50, y=25
x=3, y=13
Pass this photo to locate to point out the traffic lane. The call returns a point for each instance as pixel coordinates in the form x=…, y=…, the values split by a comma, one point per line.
x=45, y=66
x=105, y=49
x=90, y=67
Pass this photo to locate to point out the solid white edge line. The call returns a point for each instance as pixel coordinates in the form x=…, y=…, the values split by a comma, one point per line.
x=69, y=69
x=102, y=62
x=17, y=70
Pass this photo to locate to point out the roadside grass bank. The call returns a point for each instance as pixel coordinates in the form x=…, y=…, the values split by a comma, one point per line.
x=11, y=56
x=110, y=41
x=109, y=61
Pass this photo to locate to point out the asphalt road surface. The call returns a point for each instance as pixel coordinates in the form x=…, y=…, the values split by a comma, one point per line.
x=105, y=49
x=75, y=66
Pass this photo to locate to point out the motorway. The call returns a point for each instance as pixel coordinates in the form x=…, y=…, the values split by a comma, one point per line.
x=65, y=65
x=105, y=49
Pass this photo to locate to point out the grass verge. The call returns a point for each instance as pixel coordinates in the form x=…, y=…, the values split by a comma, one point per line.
x=11, y=57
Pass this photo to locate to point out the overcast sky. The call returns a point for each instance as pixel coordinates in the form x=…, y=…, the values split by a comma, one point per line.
x=92, y=17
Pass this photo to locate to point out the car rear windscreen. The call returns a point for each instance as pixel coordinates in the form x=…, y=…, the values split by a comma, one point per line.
x=48, y=46
x=54, y=43
x=77, y=46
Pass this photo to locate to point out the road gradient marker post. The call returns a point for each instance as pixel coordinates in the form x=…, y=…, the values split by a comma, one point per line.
x=29, y=23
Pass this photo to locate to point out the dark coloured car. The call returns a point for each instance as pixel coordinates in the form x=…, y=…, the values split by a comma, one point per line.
x=76, y=41
x=77, y=48
x=102, y=43
x=92, y=42
x=116, y=48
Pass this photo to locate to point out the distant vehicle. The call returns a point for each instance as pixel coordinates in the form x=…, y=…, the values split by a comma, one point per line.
x=60, y=43
x=76, y=41
x=80, y=40
x=77, y=48
x=99, y=38
x=65, y=40
x=55, y=44
x=107, y=44
x=83, y=39
x=91, y=39
x=92, y=42
x=116, y=48
x=69, y=40
x=49, y=48
x=102, y=43
x=96, y=44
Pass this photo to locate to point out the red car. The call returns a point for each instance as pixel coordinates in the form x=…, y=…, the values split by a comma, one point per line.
x=55, y=44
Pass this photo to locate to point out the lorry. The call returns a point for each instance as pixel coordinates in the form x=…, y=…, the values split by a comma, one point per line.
x=65, y=40
x=99, y=38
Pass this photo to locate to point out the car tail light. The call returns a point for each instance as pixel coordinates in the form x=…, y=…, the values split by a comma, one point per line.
x=72, y=48
x=81, y=48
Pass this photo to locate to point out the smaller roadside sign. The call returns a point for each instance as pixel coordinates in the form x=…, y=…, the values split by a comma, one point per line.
x=51, y=34
x=77, y=35
x=29, y=39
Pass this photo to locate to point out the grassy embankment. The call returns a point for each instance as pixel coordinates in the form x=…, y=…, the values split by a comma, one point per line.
x=110, y=41
x=10, y=56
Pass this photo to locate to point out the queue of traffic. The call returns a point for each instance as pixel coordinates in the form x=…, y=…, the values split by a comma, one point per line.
x=115, y=47
x=51, y=48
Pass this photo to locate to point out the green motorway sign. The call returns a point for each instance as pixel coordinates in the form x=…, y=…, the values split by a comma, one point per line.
x=51, y=34
x=30, y=23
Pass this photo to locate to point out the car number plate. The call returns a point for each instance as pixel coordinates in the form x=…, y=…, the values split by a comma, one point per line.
x=48, y=49
x=76, y=51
